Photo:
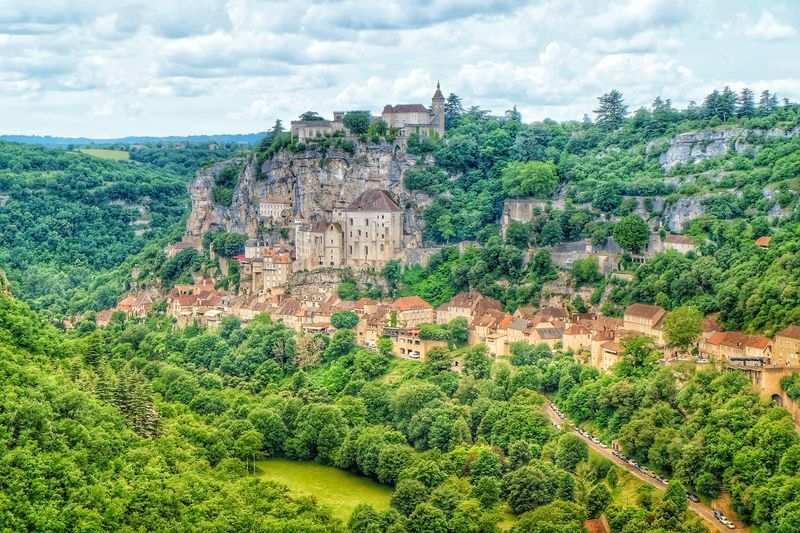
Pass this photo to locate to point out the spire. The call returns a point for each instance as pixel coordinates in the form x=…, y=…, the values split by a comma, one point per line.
x=438, y=94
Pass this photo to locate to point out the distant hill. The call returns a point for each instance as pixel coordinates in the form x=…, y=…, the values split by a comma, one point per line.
x=47, y=140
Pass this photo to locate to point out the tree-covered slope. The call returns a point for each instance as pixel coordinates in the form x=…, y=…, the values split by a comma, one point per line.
x=67, y=220
x=70, y=461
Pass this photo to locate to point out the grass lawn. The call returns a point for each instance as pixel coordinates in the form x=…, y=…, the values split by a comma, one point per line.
x=120, y=155
x=339, y=490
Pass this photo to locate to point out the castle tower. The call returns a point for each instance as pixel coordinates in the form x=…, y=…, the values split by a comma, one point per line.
x=437, y=107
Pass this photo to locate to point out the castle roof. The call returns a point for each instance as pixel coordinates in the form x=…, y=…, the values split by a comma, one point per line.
x=405, y=108
x=374, y=200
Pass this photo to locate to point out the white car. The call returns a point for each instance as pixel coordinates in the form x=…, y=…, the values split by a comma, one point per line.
x=603, y=445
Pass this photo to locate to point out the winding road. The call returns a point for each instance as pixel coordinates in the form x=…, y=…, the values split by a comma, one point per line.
x=705, y=512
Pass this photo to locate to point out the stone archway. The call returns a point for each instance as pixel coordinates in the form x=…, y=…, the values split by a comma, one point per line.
x=777, y=400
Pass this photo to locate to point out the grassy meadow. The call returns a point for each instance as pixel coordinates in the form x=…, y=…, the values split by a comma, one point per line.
x=339, y=490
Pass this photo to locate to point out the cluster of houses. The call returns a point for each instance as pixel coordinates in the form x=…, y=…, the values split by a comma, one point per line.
x=597, y=339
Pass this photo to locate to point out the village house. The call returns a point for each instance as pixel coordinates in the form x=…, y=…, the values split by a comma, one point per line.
x=410, y=345
x=736, y=347
x=491, y=329
x=647, y=320
x=466, y=305
x=786, y=348
x=680, y=243
x=409, y=311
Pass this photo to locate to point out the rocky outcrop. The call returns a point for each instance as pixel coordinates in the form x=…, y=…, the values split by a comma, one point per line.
x=693, y=147
x=317, y=181
x=677, y=215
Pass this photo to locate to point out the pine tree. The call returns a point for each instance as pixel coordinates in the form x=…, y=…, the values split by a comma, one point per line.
x=612, y=110
x=95, y=349
x=747, y=106
x=767, y=103
x=453, y=110
x=711, y=105
x=727, y=104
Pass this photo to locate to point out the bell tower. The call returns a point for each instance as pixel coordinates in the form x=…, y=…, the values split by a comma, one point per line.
x=437, y=107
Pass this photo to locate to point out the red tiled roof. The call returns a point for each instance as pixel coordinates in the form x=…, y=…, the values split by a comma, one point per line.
x=763, y=241
x=407, y=303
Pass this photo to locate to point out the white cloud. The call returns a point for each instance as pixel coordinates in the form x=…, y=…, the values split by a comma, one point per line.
x=104, y=109
x=102, y=69
x=768, y=28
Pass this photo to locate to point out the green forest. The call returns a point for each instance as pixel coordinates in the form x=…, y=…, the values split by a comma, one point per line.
x=71, y=225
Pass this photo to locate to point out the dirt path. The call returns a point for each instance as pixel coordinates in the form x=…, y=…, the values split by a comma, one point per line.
x=705, y=512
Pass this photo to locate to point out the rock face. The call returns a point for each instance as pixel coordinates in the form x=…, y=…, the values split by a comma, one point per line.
x=694, y=147
x=318, y=183
x=678, y=215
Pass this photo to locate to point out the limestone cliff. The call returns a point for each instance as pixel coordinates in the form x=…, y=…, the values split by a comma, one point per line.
x=317, y=181
x=693, y=147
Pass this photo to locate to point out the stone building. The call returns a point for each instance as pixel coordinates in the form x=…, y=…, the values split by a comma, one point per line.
x=410, y=311
x=646, y=320
x=466, y=305
x=680, y=243
x=372, y=230
x=274, y=207
x=786, y=348
x=269, y=272
x=405, y=118
x=730, y=346
x=416, y=118
x=410, y=345
x=318, y=245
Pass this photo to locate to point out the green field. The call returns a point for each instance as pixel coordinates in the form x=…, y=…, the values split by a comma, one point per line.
x=120, y=155
x=339, y=490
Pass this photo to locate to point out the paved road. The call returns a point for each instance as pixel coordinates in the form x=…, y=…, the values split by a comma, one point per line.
x=705, y=512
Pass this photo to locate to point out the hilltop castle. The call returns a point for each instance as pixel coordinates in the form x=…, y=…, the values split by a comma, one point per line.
x=405, y=118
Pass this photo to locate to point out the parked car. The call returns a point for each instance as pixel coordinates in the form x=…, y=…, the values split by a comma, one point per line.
x=603, y=445
x=692, y=497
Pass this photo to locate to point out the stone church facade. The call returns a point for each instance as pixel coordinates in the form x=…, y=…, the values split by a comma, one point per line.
x=366, y=233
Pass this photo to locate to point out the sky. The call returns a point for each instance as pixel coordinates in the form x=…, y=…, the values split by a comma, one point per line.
x=130, y=67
